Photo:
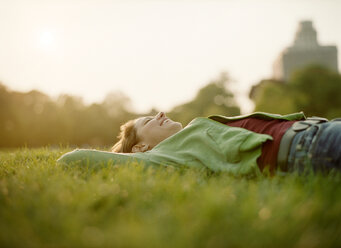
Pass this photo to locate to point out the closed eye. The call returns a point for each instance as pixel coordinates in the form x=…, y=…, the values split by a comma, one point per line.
x=148, y=120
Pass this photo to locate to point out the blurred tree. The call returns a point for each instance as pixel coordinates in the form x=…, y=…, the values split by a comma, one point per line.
x=214, y=98
x=272, y=96
x=317, y=91
x=314, y=90
x=117, y=103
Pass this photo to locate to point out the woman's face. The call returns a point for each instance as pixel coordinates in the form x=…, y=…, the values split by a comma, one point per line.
x=151, y=130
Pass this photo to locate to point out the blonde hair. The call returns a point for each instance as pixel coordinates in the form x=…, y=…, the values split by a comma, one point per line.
x=128, y=138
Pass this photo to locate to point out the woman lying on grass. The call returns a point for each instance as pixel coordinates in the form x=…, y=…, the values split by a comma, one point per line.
x=240, y=145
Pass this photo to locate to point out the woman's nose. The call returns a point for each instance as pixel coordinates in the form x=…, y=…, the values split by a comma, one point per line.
x=160, y=115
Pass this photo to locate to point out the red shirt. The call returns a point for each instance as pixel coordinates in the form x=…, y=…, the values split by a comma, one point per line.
x=275, y=128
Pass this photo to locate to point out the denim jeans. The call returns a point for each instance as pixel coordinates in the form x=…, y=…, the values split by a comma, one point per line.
x=317, y=148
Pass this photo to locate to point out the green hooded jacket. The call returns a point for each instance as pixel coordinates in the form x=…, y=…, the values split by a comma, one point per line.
x=203, y=143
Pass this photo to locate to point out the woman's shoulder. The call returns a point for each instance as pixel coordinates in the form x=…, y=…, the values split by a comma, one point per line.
x=260, y=115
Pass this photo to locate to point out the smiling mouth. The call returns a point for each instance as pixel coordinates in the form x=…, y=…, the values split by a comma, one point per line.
x=163, y=121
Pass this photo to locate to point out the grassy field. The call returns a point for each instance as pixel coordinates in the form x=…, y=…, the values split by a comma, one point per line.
x=43, y=204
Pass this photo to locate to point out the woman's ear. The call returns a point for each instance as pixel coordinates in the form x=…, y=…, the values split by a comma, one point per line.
x=140, y=148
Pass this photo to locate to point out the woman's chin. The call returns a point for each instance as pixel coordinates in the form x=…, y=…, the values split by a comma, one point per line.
x=178, y=126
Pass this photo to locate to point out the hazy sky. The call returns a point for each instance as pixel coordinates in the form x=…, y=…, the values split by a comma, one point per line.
x=159, y=53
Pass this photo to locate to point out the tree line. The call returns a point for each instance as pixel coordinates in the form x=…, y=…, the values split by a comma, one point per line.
x=34, y=119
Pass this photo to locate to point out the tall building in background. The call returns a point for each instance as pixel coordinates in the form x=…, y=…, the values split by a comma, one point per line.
x=305, y=50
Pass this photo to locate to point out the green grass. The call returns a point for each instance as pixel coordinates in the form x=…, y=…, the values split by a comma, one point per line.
x=43, y=204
